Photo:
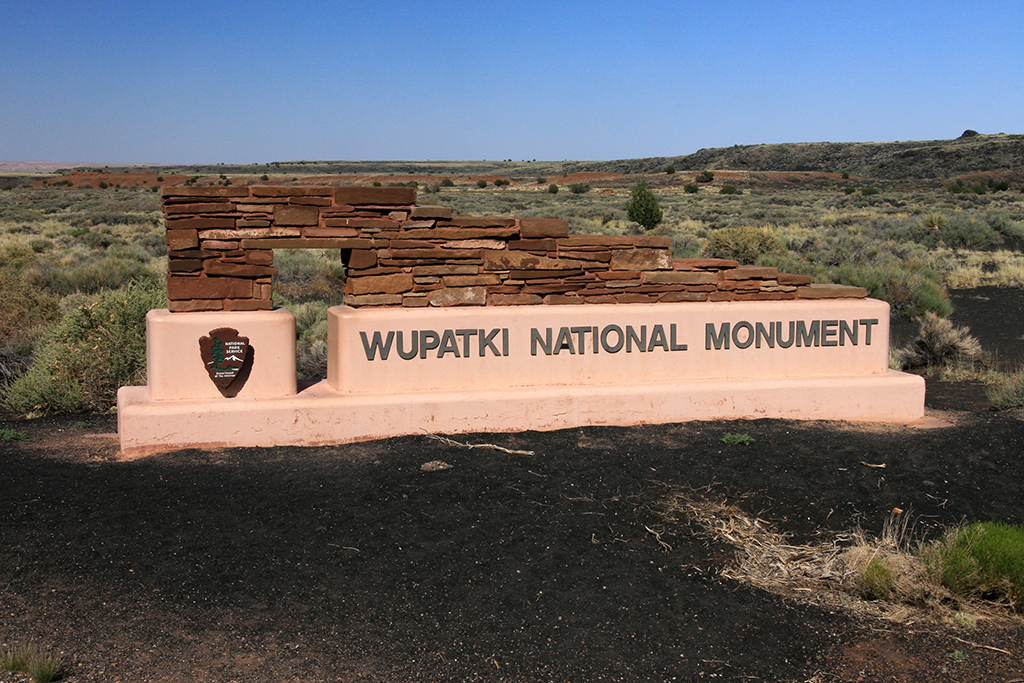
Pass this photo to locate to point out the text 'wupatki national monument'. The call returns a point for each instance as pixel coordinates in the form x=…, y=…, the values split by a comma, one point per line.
x=464, y=324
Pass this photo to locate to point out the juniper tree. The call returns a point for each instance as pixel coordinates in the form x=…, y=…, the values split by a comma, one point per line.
x=643, y=206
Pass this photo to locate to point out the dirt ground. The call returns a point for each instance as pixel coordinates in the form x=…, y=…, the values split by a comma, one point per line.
x=354, y=563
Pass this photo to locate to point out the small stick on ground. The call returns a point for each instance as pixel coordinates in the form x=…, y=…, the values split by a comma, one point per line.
x=987, y=647
x=452, y=442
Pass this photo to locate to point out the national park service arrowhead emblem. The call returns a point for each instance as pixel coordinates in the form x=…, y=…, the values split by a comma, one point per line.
x=227, y=358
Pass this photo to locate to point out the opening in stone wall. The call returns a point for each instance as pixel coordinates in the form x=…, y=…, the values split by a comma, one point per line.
x=307, y=282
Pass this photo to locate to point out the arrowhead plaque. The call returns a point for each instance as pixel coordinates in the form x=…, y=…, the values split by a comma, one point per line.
x=227, y=358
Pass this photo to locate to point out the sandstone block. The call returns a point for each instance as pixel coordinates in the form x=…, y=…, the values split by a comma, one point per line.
x=209, y=207
x=435, y=254
x=184, y=265
x=524, y=260
x=445, y=270
x=750, y=272
x=631, y=298
x=679, y=277
x=260, y=257
x=794, y=280
x=577, y=241
x=379, y=196
x=705, y=263
x=459, y=233
x=546, y=245
x=373, y=300
x=211, y=191
x=826, y=291
x=514, y=300
x=415, y=302
x=563, y=300
x=182, y=239
x=459, y=296
x=362, y=223
x=281, y=191
x=290, y=214
x=331, y=232
x=248, y=305
x=532, y=228
x=600, y=299
x=473, y=244
x=674, y=297
x=379, y=284
x=218, y=245
x=471, y=280
x=652, y=242
x=179, y=288
x=361, y=259
x=194, y=305
x=249, y=233
x=641, y=259
x=237, y=269
x=720, y=296
x=422, y=212
x=200, y=223
x=541, y=274
x=480, y=222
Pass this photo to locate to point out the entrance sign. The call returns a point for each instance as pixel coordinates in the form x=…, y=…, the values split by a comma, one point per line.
x=463, y=324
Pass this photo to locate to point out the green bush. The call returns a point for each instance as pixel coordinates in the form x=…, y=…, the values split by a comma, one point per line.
x=730, y=189
x=981, y=560
x=98, y=346
x=643, y=207
x=745, y=244
x=670, y=169
x=481, y=184
x=501, y=182
x=552, y=188
x=579, y=188
x=705, y=177
x=541, y=180
x=868, y=191
x=691, y=188
x=878, y=582
x=447, y=182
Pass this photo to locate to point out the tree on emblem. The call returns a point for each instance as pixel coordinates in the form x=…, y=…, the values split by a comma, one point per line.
x=218, y=354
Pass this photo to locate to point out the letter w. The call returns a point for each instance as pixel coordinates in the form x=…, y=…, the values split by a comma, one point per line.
x=372, y=348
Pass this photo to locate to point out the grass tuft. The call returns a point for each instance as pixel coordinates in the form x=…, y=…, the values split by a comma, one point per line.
x=28, y=659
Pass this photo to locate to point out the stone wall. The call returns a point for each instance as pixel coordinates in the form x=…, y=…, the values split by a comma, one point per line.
x=220, y=244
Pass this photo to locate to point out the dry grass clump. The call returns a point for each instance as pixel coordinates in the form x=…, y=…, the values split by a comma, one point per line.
x=890, y=576
x=940, y=345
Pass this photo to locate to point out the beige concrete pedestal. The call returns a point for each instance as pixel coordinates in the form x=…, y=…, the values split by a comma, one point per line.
x=525, y=368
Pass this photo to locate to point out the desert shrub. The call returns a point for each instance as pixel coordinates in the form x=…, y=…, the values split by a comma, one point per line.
x=552, y=188
x=745, y=244
x=1007, y=390
x=691, y=188
x=541, y=180
x=878, y=581
x=981, y=560
x=670, y=169
x=868, y=191
x=910, y=291
x=447, y=182
x=308, y=275
x=850, y=190
x=98, y=346
x=311, y=339
x=90, y=276
x=730, y=189
x=501, y=182
x=579, y=188
x=940, y=345
x=24, y=308
x=264, y=177
x=28, y=659
x=643, y=207
x=705, y=177
x=481, y=184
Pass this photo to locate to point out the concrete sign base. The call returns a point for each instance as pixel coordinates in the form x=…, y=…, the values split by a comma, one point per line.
x=394, y=372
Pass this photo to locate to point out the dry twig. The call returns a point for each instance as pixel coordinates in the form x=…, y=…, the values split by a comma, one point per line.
x=452, y=442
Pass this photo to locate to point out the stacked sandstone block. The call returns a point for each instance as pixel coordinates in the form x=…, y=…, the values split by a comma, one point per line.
x=221, y=240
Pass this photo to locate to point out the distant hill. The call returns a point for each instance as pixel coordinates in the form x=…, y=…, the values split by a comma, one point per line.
x=890, y=160
x=924, y=160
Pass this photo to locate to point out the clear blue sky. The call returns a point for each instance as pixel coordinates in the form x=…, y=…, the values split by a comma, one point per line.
x=253, y=82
